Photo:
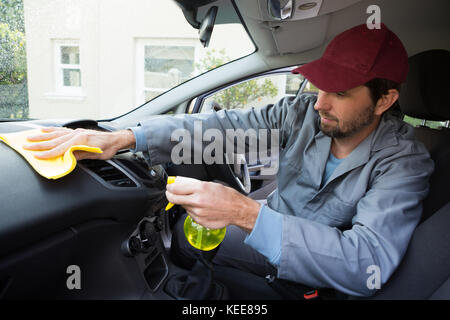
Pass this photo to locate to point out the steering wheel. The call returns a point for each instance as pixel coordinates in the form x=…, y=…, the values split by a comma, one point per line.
x=233, y=172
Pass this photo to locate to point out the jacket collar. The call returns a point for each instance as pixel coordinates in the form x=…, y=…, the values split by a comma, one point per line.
x=385, y=135
x=382, y=137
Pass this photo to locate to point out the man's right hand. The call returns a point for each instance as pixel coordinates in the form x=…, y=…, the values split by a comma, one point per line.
x=55, y=141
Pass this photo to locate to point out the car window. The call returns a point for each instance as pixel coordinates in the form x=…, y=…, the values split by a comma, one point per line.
x=100, y=59
x=255, y=92
x=310, y=88
x=421, y=122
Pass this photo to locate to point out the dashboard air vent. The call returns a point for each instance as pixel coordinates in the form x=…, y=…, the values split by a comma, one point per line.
x=108, y=173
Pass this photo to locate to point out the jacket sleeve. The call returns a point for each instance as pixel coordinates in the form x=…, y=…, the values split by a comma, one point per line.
x=360, y=260
x=162, y=132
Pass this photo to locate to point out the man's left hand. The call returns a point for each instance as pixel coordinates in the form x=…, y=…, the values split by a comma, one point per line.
x=213, y=205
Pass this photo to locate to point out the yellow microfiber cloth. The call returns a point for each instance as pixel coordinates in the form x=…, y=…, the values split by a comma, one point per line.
x=52, y=168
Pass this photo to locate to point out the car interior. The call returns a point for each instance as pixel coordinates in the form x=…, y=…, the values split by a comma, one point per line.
x=108, y=216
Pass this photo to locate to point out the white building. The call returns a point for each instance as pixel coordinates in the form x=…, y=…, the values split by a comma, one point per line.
x=101, y=58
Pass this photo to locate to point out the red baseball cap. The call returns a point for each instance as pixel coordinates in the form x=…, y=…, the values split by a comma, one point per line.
x=356, y=56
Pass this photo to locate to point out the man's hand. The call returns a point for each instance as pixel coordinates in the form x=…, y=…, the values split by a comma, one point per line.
x=54, y=141
x=213, y=205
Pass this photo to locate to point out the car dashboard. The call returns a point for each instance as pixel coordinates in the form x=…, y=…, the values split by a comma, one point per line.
x=46, y=226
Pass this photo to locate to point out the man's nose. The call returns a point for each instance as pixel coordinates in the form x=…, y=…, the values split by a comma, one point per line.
x=323, y=102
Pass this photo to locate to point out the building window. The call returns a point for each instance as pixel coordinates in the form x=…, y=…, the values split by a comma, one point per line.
x=162, y=66
x=68, y=67
x=166, y=67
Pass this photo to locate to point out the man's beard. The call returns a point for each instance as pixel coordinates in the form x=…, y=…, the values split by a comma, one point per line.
x=348, y=128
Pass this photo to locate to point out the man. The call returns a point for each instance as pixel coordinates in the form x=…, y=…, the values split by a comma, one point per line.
x=351, y=176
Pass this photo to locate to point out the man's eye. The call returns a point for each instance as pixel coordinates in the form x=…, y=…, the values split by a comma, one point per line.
x=340, y=94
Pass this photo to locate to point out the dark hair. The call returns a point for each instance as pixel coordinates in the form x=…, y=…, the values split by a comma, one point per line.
x=379, y=87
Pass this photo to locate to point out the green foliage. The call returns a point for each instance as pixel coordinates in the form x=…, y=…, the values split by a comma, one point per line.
x=237, y=96
x=310, y=88
x=13, y=65
x=212, y=60
x=418, y=122
x=11, y=13
x=240, y=95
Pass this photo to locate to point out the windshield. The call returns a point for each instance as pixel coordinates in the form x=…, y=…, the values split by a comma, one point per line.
x=102, y=58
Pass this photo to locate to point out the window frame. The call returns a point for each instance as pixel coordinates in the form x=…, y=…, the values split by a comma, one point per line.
x=196, y=107
x=140, y=44
x=60, y=88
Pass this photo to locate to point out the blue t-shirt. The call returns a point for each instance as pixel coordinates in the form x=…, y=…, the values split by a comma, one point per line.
x=332, y=164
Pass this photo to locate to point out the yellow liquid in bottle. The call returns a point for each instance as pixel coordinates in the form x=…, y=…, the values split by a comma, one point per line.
x=200, y=237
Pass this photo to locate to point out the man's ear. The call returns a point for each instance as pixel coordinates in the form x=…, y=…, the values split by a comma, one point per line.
x=386, y=101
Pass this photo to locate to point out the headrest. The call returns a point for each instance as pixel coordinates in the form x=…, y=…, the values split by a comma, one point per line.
x=425, y=93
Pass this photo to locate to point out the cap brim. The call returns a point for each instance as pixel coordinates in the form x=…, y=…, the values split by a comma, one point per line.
x=331, y=77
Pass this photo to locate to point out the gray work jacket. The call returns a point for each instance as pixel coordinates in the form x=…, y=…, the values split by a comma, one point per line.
x=350, y=233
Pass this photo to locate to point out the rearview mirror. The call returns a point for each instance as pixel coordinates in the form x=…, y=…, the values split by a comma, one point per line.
x=280, y=9
x=207, y=25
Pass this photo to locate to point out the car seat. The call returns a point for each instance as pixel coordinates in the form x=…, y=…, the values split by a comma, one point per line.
x=425, y=269
x=424, y=272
